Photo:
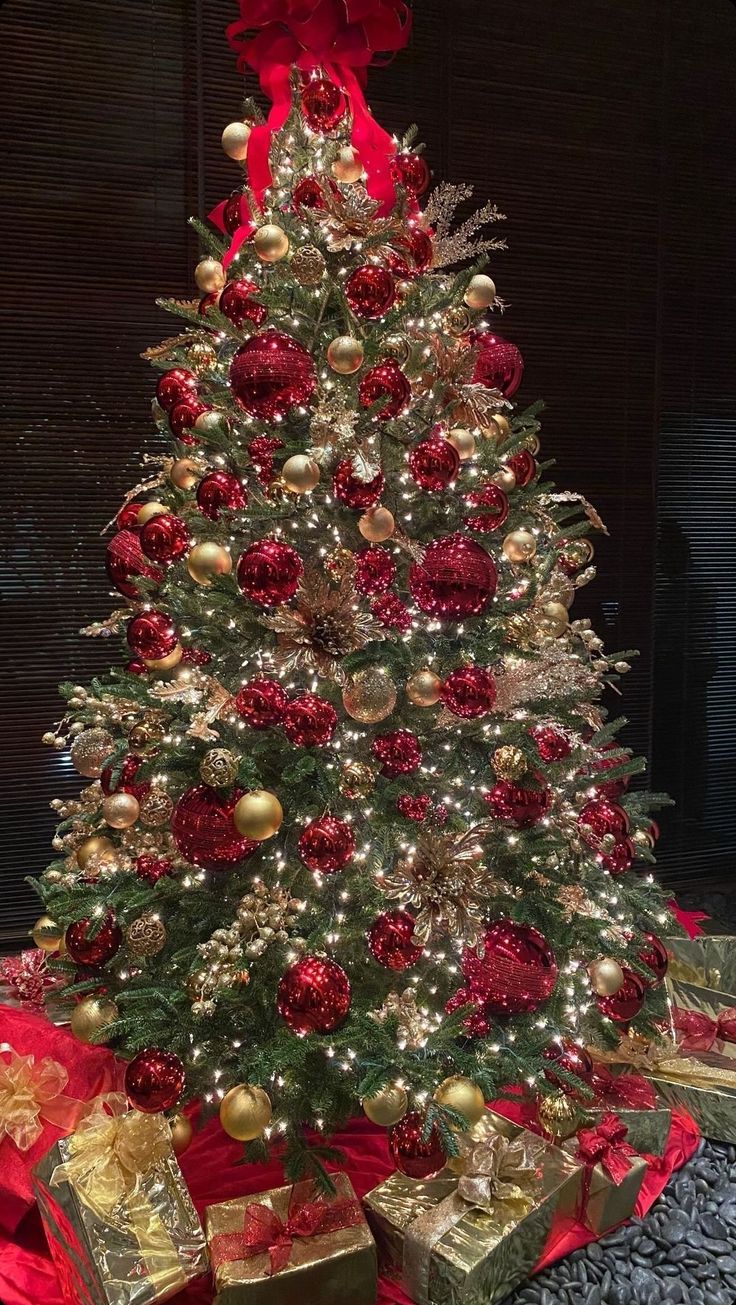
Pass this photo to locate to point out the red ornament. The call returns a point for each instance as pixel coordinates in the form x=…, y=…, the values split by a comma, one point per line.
x=352, y=491
x=434, y=463
x=314, y=996
x=611, y=788
x=323, y=104
x=309, y=193
x=196, y=657
x=516, y=972
x=573, y=1059
x=203, y=828
x=455, y=579
x=153, y=868
x=469, y=691
x=552, y=744
x=164, y=538
x=152, y=635
x=654, y=955
x=516, y=805
x=261, y=451
x=239, y=307
x=420, y=247
x=220, y=490
x=411, y=171
x=126, y=781
x=208, y=301
x=399, y=752
x=154, y=1080
x=126, y=562
x=412, y=1156
x=625, y=1004
x=391, y=612
x=375, y=570
x=235, y=213
x=97, y=950
x=269, y=572
x=495, y=507
x=600, y=817
x=127, y=517
x=261, y=703
x=523, y=466
x=326, y=845
x=370, y=290
x=174, y=386
x=391, y=940
x=136, y=667
x=309, y=721
x=183, y=416
x=385, y=381
x=499, y=365
x=270, y=374
x=413, y=808
x=618, y=859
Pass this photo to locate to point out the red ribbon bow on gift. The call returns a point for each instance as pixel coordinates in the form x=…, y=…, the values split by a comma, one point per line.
x=696, y=1031
x=606, y=1146
x=265, y=1232
x=623, y=1091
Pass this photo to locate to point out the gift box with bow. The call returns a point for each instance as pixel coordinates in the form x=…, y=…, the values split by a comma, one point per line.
x=474, y=1235
x=291, y=1246
x=613, y=1174
x=708, y=961
x=118, y=1217
x=633, y=1099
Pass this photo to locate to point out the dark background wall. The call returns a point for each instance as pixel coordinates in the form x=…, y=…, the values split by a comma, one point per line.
x=605, y=129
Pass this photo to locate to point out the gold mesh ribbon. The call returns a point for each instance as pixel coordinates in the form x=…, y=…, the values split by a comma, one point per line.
x=31, y=1095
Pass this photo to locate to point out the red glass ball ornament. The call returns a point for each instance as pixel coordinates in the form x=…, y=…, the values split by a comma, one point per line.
x=385, y=381
x=235, y=213
x=352, y=491
x=270, y=374
x=326, y=845
x=516, y=972
x=152, y=635
x=469, y=691
x=370, y=290
x=573, y=1059
x=323, y=104
x=309, y=721
x=308, y=193
x=398, y=752
x=314, y=996
x=420, y=247
x=207, y=302
x=600, y=817
x=203, y=828
x=499, y=364
x=552, y=744
x=410, y=1154
x=97, y=950
x=391, y=940
x=610, y=788
x=413, y=808
x=618, y=859
x=261, y=703
x=495, y=509
x=174, y=386
x=523, y=466
x=183, y=416
x=219, y=491
x=164, y=538
x=412, y=171
x=434, y=464
x=126, y=562
x=126, y=780
x=375, y=570
x=269, y=572
x=625, y=1004
x=237, y=304
x=391, y=612
x=136, y=667
x=517, y=805
x=154, y=1080
x=127, y=517
x=153, y=868
x=455, y=579
x=654, y=956
x=196, y=657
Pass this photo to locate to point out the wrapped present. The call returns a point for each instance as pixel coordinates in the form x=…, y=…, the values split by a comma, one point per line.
x=292, y=1246
x=613, y=1174
x=708, y=960
x=633, y=1099
x=473, y=1236
x=704, y=1019
x=117, y=1213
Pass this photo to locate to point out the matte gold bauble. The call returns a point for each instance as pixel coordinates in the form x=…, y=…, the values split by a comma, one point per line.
x=370, y=696
x=271, y=243
x=97, y=845
x=258, y=815
x=308, y=265
x=463, y=441
x=184, y=473
x=91, y=1017
x=356, y=779
x=120, y=810
x=207, y=560
x=235, y=139
x=157, y=809
x=146, y=936
x=166, y=663
x=377, y=524
x=559, y=1116
x=498, y=428
x=519, y=546
x=148, y=511
x=509, y=762
x=387, y=1107
x=219, y=768
x=50, y=940
x=552, y=620
x=345, y=355
x=209, y=275
x=505, y=479
x=347, y=166
x=90, y=751
x=424, y=688
x=606, y=976
x=481, y=291
x=300, y=474
x=461, y=1094
x=245, y=1111
x=181, y=1133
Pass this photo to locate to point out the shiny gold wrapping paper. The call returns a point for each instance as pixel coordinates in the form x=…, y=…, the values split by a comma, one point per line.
x=337, y=1268
x=707, y=1091
x=709, y=960
x=648, y=1130
x=609, y=1203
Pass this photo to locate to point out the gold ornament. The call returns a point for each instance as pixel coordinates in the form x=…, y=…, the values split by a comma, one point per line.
x=91, y=1017
x=519, y=546
x=356, y=779
x=340, y=564
x=47, y=934
x=559, y=1116
x=423, y=688
x=463, y=441
x=552, y=620
x=212, y=424
x=345, y=355
x=347, y=167
x=258, y=815
x=481, y=292
x=181, y=1133
x=219, y=768
x=578, y=552
x=150, y=510
x=201, y=357
x=195, y=983
x=90, y=751
x=245, y=1111
x=532, y=443
x=606, y=976
x=207, y=560
x=377, y=524
x=396, y=347
x=461, y=1094
x=120, y=810
x=235, y=139
x=456, y=321
x=505, y=479
x=156, y=809
x=370, y=696
x=497, y=428
x=509, y=762
x=518, y=631
x=184, y=473
x=209, y=275
x=300, y=474
x=271, y=243
x=95, y=846
x=166, y=663
x=146, y=936
x=387, y=1107
x=308, y=265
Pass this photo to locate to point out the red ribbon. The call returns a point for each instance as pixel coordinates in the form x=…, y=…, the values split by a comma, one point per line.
x=625, y=1091
x=696, y=1031
x=605, y=1145
x=265, y=1232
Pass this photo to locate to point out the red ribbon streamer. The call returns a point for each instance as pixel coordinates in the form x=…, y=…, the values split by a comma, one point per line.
x=628, y=1091
x=265, y=1232
x=696, y=1031
x=605, y=1145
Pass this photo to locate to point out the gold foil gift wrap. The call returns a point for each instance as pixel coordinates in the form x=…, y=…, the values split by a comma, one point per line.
x=472, y=1238
x=704, y=1019
x=708, y=960
x=293, y=1265
x=118, y=1217
x=635, y=1102
x=613, y=1174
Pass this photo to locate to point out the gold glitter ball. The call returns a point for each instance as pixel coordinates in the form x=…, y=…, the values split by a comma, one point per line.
x=370, y=696
x=201, y=356
x=146, y=936
x=156, y=809
x=559, y=1116
x=340, y=563
x=219, y=768
x=519, y=630
x=308, y=265
x=509, y=762
x=90, y=750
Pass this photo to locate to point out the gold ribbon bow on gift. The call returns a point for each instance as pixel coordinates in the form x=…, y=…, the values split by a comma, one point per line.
x=31, y=1095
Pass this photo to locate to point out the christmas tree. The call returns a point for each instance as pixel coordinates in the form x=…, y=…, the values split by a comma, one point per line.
x=358, y=831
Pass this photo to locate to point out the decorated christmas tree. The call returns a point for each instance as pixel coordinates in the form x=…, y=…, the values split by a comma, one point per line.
x=357, y=831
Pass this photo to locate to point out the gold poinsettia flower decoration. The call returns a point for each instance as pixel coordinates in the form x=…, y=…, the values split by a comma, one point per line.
x=325, y=623
x=351, y=215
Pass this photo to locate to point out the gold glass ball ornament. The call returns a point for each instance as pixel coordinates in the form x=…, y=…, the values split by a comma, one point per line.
x=518, y=631
x=148, y=511
x=201, y=357
x=519, y=546
x=219, y=768
x=423, y=688
x=578, y=552
x=245, y=1111
x=209, y=275
x=235, y=139
x=308, y=265
x=606, y=976
x=166, y=663
x=559, y=1116
x=184, y=473
x=91, y=1017
x=552, y=620
x=258, y=815
x=347, y=167
x=463, y=441
x=370, y=696
x=345, y=355
x=509, y=762
x=181, y=1133
x=206, y=560
x=505, y=479
x=356, y=779
x=47, y=934
x=96, y=845
x=387, y=1107
x=461, y=1094
x=212, y=424
x=195, y=983
x=377, y=524
x=456, y=321
x=498, y=428
x=300, y=474
x=481, y=291
x=146, y=936
x=157, y=809
x=120, y=810
x=396, y=347
x=90, y=751
x=271, y=243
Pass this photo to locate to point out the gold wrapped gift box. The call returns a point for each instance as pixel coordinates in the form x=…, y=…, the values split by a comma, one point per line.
x=708, y=960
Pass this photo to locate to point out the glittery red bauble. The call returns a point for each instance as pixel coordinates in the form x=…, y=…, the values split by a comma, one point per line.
x=97, y=950
x=125, y=562
x=220, y=490
x=399, y=752
x=655, y=957
x=323, y=104
x=154, y=1080
x=495, y=509
x=207, y=302
x=600, y=817
x=261, y=451
x=164, y=538
x=455, y=579
x=237, y=304
x=385, y=381
x=610, y=788
x=391, y=612
x=517, y=971
x=261, y=703
x=308, y=192
x=625, y=1004
x=469, y=691
x=420, y=247
x=390, y=939
x=235, y=213
x=370, y=290
x=270, y=374
x=412, y=171
x=203, y=828
x=326, y=845
x=314, y=996
x=174, y=386
x=269, y=572
x=352, y=491
x=196, y=657
x=523, y=466
x=374, y=570
x=309, y=721
x=499, y=365
x=619, y=858
x=552, y=744
x=412, y=1156
x=126, y=780
x=434, y=463
x=152, y=635
x=127, y=517
x=183, y=416
x=413, y=808
x=153, y=868
x=517, y=805
x=575, y=1060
